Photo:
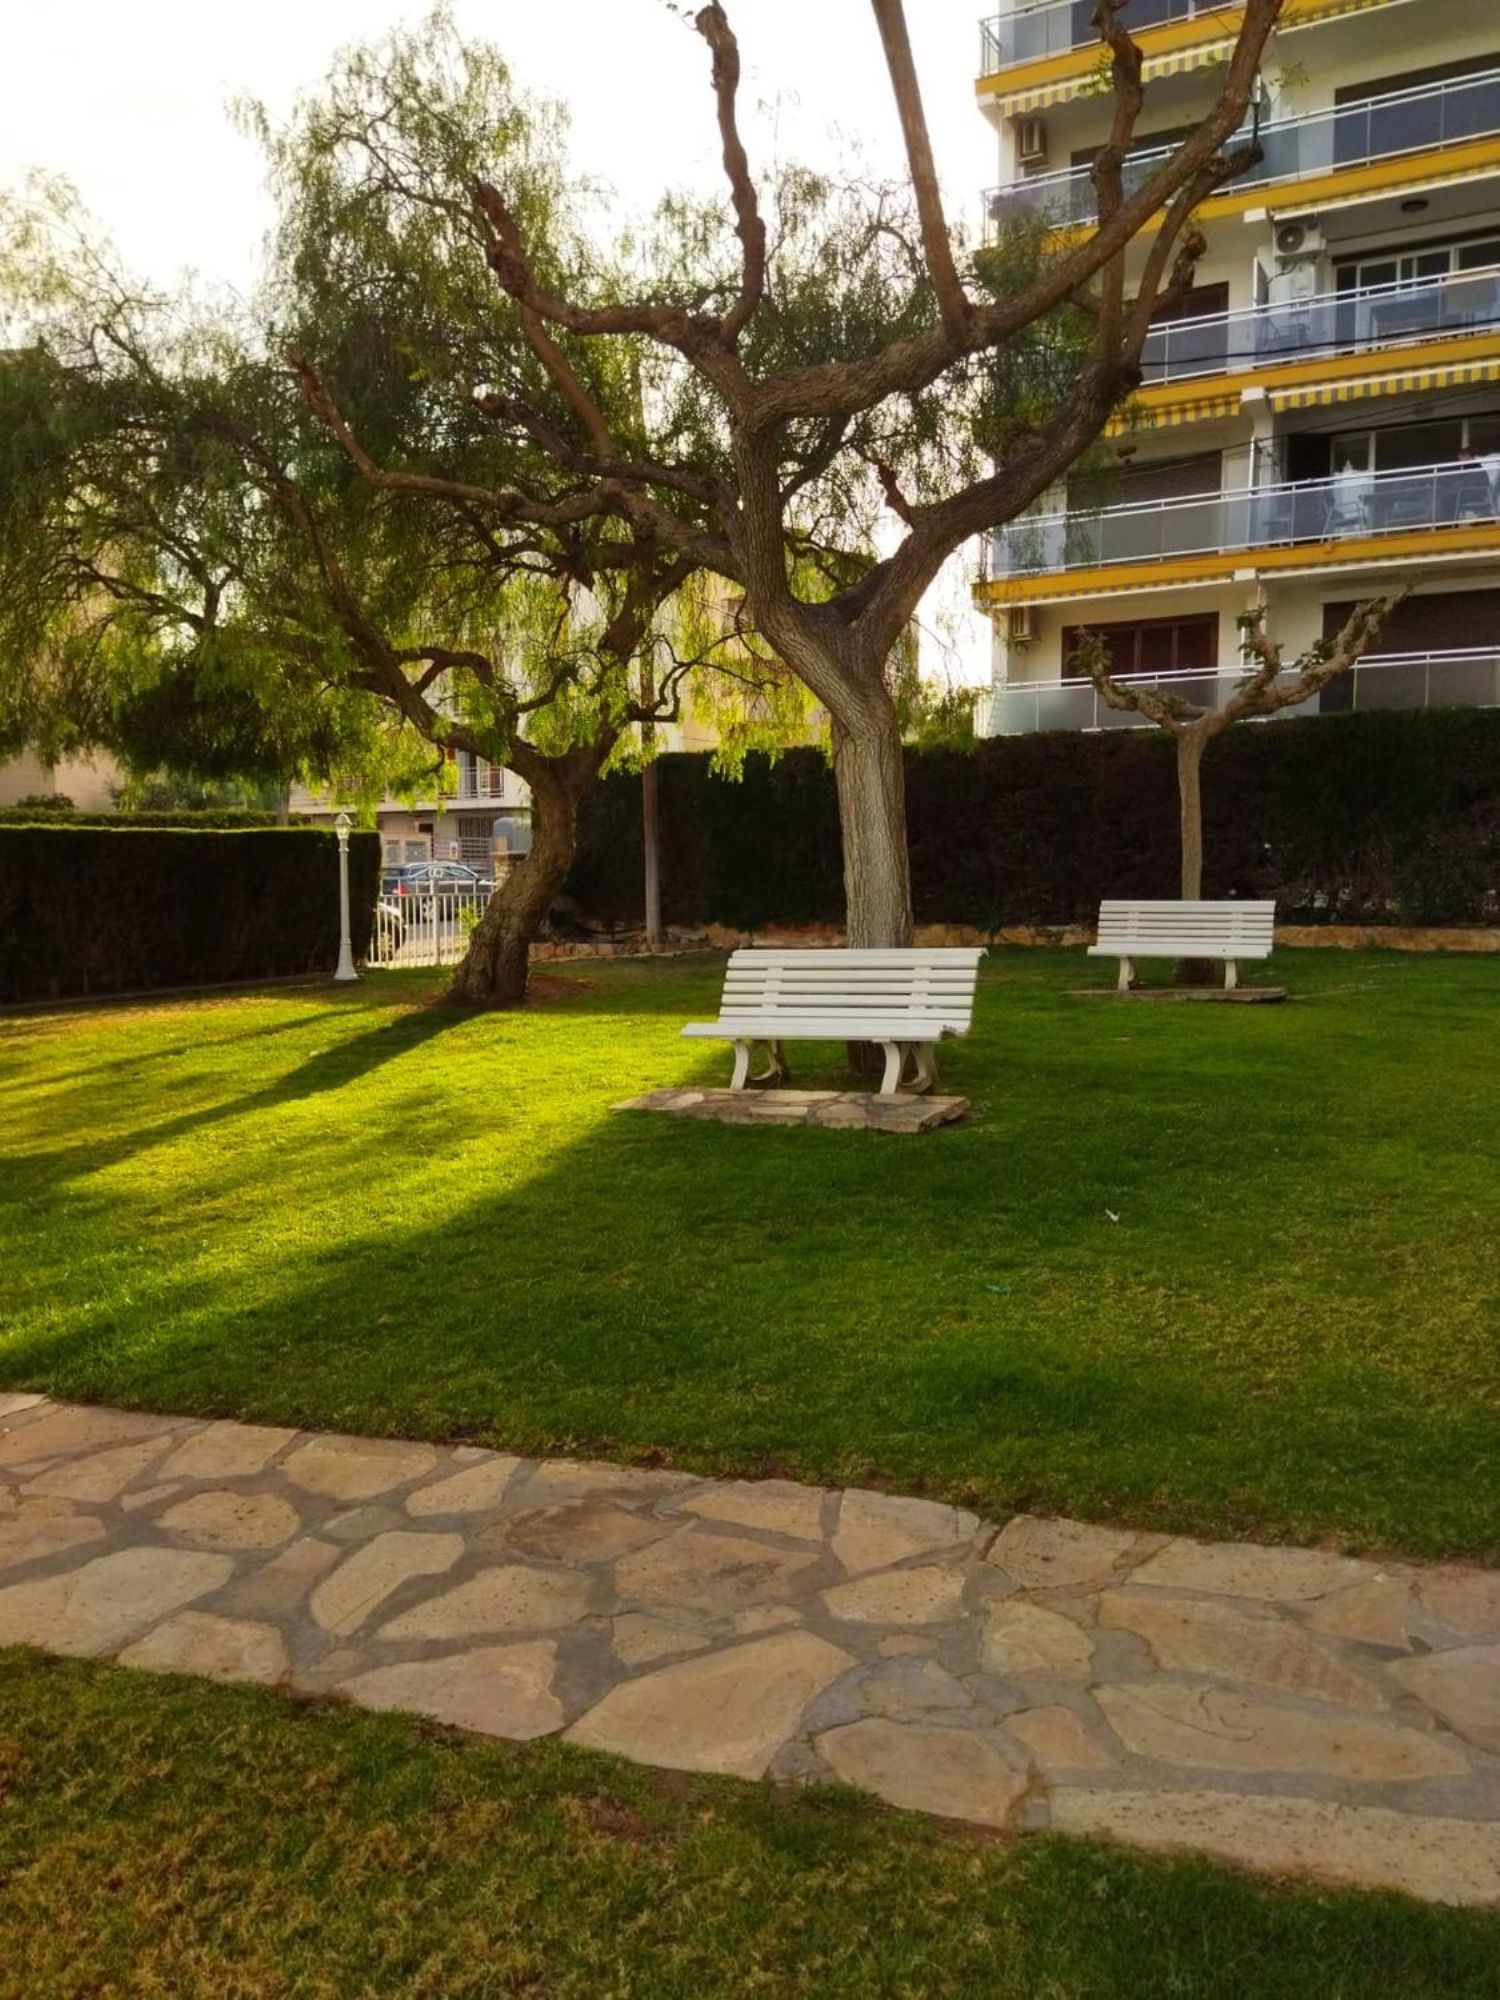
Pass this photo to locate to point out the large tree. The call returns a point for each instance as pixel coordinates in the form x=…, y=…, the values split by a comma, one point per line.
x=827, y=356
x=191, y=571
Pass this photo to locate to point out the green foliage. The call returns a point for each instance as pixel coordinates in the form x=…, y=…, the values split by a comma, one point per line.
x=87, y=910
x=319, y=1850
x=1384, y=817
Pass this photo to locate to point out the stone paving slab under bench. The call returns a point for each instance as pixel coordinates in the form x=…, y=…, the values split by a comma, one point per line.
x=843, y=1110
x=1289, y=1709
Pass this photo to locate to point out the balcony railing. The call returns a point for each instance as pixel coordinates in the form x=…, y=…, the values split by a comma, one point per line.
x=1351, y=505
x=1467, y=679
x=1059, y=25
x=1351, y=135
x=1393, y=315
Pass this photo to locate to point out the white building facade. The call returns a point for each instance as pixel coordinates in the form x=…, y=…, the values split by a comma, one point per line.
x=1321, y=418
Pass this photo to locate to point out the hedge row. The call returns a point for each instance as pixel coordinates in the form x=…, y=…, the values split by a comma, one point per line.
x=1380, y=818
x=187, y=816
x=87, y=910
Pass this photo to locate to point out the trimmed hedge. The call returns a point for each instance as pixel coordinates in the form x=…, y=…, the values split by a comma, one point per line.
x=1389, y=817
x=86, y=910
x=189, y=816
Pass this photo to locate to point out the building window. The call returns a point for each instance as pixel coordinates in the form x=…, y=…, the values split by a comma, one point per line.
x=1151, y=645
x=416, y=850
x=392, y=853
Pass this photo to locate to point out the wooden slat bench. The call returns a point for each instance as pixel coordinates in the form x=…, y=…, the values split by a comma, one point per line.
x=903, y=1000
x=1231, y=931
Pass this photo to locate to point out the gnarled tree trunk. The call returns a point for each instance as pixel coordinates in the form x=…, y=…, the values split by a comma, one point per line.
x=870, y=774
x=1192, y=741
x=494, y=971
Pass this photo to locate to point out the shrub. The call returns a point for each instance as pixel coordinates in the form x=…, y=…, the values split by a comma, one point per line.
x=1377, y=818
x=88, y=910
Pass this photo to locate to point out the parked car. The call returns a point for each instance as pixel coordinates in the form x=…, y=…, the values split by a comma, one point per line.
x=426, y=879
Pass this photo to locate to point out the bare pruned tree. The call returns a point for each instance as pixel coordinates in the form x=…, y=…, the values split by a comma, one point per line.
x=1267, y=687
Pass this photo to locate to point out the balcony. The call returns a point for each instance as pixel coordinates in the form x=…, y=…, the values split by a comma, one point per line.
x=1332, y=323
x=1031, y=34
x=1456, y=501
x=1429, y=119
x=1468, y=679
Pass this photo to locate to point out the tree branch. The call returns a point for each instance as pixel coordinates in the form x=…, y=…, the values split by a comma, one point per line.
x=954, y=306
x=713, y=25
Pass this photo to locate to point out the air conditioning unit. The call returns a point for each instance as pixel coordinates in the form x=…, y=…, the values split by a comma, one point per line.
x=1019, y=629
x=1031, y=142
x=1301, y=241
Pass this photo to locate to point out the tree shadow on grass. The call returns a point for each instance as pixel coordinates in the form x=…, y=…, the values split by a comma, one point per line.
x=346, y=1062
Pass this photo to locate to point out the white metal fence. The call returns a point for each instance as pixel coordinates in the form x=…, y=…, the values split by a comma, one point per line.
x=425, y=927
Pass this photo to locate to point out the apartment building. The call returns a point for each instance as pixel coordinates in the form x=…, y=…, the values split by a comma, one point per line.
x=1321, y=417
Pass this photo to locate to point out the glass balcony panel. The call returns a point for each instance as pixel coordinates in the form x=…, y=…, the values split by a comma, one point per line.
x=1353, y=503
x=1393, y=680
x=1291, y=149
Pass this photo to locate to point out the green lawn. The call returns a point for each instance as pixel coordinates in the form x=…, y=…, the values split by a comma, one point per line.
x=167, y=1838
x=1228, y=1270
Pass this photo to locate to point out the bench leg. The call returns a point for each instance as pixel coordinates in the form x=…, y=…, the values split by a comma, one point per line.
x=1231, y=975
x=895, y=1062
x=923, y=1075
x=1127, y=975
x=741, y=1066
x=776, y=1071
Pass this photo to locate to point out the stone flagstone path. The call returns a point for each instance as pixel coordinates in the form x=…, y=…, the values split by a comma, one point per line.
x=1285, y=1708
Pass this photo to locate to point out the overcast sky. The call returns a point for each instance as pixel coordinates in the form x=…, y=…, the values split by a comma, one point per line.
x=129, y=102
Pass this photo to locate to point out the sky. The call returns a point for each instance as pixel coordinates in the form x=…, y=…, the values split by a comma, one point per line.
x=132, y=105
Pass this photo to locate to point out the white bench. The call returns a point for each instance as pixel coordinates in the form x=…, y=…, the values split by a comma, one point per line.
x=1231, y=931
x=904, y=1000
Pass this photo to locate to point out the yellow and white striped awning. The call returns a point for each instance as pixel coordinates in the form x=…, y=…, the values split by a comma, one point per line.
x=1094, y=81
x=1396, y=383
x=1167, y=416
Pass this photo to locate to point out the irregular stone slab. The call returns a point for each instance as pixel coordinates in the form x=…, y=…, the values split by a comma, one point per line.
x=510, y=1598
x=1237, y=1641
x=36, y=1538
x=876, y=1530
x=343, y=1601
x=96, y=1608
x=1467, y=1601
x=637, y=1638
x=855, y=1110
x=904, y=1688
x=730, y=1712
x=904, y=1645
x=101, y=1476
x=1239, y=1569
x=279, y=1587
x=1024, y=1638
x=1056, y=1741
x=765, y=1618
x=956, y=1773
x=223, y=1649
x=924, y=1596
x=15, y=1401
x=1444, y=1860
x=1059, y=1555
x=69, y=1429
x=594, y=1530
x=221, y=1519
x=777, y=1505
x=352, y=1468
x=470, y=1492
x=226, y=1451
x=498, y=1690
x=1376, y=1613
x=1463, y=1687
x=1195, y=1722
x=559, y=1480
x=721, y=1573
